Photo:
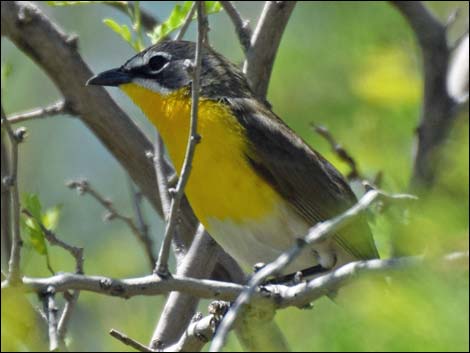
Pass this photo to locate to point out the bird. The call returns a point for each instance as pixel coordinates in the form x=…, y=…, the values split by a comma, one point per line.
x=255, y=185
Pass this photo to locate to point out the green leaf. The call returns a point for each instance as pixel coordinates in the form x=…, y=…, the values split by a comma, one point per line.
x=33, y=205
x=37, y=240
x=51, y=217
x=122, y=30
x=34, y=233
x=177, y=17
x=174, y=21
x=213, y=7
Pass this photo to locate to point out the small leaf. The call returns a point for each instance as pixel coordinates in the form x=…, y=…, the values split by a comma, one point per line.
x=177, y=17
x=51, y=217
x=174, y=21
x=37, y=240
x=122, y=30
x=187, y=6
x=33, y=205
x=213, y=7
x=36, y=236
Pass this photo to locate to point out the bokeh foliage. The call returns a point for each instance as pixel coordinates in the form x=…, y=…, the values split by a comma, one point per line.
x=353, y=67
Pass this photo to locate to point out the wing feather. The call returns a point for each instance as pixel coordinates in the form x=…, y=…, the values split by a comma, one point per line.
x=315, y=189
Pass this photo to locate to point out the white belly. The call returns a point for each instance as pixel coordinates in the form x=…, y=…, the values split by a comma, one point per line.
x=262, y=241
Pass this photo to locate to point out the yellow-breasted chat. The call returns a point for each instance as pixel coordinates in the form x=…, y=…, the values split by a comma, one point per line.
x=255, y=185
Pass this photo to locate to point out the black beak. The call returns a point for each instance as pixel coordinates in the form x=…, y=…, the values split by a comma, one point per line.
x=114, y=77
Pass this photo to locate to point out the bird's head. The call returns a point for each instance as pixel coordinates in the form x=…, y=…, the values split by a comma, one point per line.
x=166, y=68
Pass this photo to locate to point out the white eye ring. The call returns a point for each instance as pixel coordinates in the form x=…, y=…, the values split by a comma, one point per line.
x=158, y=62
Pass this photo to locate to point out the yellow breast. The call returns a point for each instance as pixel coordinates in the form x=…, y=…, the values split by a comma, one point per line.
x=222, y=185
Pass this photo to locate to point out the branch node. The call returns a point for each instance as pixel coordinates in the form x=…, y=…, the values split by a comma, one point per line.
x=149, y=154
x=25, y=15
x=258, y=266
x=8, y=181
x=20, y=133
x=129, y=341
x=196, y=138
x=72, y=41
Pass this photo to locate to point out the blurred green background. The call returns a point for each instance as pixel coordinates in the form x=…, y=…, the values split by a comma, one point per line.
x=351, y=66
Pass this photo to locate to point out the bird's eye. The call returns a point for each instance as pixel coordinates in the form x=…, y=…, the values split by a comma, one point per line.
x=157, y=63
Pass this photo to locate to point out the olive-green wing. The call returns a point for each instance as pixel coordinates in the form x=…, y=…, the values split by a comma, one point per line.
x=302, y=176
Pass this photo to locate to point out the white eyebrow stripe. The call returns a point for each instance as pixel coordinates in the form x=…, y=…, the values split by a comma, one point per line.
x=136, y=62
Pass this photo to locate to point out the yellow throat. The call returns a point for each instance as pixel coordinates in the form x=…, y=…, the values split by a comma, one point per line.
x=222, y=185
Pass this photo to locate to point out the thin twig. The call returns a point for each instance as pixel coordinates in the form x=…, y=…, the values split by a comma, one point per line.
x=5, y=223
x=340, y=151
x=129, y=341
x=12, y=183
x=164, y=173
x=70, y=302
x=137, y=198
x=193, y=140
x=52, y=238
x=50, y=308
x=316, y=234
x=187, y=21
x=84, y=187
x=242, y=27
x=57, y=108
x=77, y=253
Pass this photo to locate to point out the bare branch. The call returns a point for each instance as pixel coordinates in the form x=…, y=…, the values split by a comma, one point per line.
x=316, y=234
x=11, y=182
x=242, y=27
x=202, y=288
x=439, y=109
x=340, y=151
x=57, y=108
x=264, y=44
x=180, y=307
x=187, y=21
x=193, y=140
x=137, y=203
x=5, y=224
x=129, y=341
x=50, y=308
x=127, y=288
x=70, y=302
x=84, y=187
